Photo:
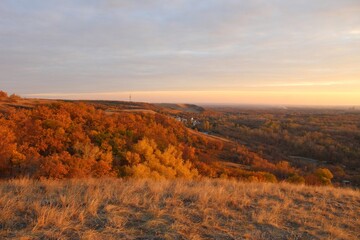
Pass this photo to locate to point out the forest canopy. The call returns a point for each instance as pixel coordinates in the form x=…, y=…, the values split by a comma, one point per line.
x=67, y=139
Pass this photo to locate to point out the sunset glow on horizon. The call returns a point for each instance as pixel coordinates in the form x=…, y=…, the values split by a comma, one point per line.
x=225, y=52
x=318, y=98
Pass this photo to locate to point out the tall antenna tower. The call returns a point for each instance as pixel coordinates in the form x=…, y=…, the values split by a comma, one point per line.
x=130, y=98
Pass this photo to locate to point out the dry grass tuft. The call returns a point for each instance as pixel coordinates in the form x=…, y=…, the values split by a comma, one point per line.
x=146, y=209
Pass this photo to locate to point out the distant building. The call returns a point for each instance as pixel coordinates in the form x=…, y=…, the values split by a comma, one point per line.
x=346, y=182
x=180, y=119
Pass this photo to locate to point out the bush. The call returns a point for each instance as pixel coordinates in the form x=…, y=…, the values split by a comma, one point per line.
x=14, y=97
x=295, y=179
x=270, y=178
x=3, y=95
x=321, y=176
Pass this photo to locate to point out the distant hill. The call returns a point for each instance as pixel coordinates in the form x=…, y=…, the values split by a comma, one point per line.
x=7, y=103
x=174, y=107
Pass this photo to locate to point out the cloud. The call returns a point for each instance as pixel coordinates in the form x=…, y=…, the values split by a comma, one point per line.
x=306, y=84
x=354, y=32
x=106, y=45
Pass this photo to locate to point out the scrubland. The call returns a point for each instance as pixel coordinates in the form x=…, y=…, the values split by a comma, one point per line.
x=175, y=209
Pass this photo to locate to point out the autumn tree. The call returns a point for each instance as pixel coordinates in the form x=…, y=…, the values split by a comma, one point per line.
x=295, y=179
x=3, y=95
x=321, y=176
x=206, y=126
x=9, y=156
x=146, y=160
x=14, y=97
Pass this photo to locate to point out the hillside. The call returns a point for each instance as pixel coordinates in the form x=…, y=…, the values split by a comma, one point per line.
x=179, y=108
x=15, y=101
x=177, y=209
x=125, y=170
x=69, y=139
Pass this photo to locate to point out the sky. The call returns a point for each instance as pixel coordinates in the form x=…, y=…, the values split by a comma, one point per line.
x=301, y=52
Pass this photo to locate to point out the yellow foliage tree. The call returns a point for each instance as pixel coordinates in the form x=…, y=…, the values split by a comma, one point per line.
x=147, y=161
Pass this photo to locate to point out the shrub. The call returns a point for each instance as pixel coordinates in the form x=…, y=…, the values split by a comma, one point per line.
x=14, y=97
x=3, y=95
x=321, y=176
x=295, y=179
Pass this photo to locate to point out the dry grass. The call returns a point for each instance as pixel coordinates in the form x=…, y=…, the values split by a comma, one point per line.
x=145, y=209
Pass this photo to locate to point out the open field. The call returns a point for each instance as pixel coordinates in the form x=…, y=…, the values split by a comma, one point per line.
x=177, y=209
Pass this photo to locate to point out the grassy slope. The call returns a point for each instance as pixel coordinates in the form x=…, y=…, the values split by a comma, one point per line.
x=145, y=209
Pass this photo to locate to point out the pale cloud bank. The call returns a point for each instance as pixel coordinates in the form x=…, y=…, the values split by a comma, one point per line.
x=102, y=46
x=306, y=84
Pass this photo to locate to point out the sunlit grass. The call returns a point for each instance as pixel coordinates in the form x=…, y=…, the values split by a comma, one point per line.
x=178, y=209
